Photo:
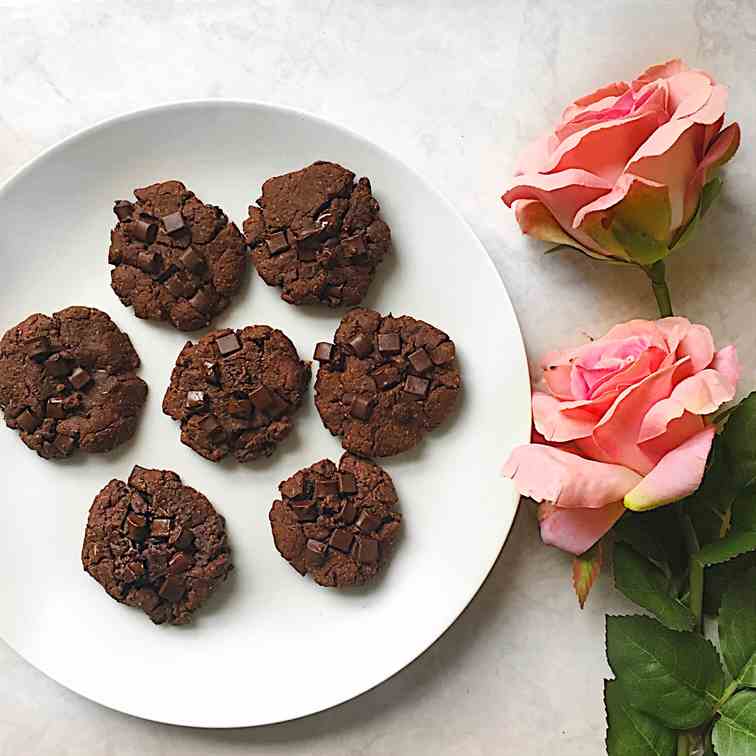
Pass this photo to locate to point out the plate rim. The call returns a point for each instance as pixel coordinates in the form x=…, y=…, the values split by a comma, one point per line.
x=521, y=362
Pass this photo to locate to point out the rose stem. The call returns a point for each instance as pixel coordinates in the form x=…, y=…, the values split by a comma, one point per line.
x=657, y=275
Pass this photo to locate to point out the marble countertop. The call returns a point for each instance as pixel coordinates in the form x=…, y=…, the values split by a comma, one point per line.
x=454, y=89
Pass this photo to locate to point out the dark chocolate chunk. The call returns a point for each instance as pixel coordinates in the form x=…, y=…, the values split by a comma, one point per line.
x=325, y=488
x=55, y=408
x=315, y=552
x=173, y=222
x=361, y=345
x=348, y=512
x=367, y=550
x=367, y=522
x=184, y=539
x=389, y=343
x=143, y=231
x=136, y=526
x=416, y=386
x=362, y=408
x=191, y=260
x=347, y=484
x=278, y=243
x=306, y=511
x=123, y=209
x=79, y=378
x=28, y=421
x=341, y=540
x=228, y=344
x=148, y=261
x=211, y=372
x=262, y=398
x=195, y=400
x=133, y=571
x=38, y=349
x=306, y=253
x=57, y=366
x=160, y=528
x=323, y=352
x=420, y=361
x=172, y=589
x=201, y=302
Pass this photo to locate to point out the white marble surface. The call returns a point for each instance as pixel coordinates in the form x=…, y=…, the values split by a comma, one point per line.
x=454, y=88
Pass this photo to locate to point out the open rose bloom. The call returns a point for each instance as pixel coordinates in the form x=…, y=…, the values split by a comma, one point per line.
x=621, y=422
x=622, y=175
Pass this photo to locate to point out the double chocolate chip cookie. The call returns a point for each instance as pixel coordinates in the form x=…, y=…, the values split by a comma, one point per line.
x=156, y=544
x=67, y=382
x=337, y=525
x=175, y=258
x=318, y=235
x=385, y=382
x=234, y=392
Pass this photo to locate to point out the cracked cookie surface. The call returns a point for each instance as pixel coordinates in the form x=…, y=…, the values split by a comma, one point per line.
x=385, y=382
x=67, y=382
x=156, y=544
x=175, y=258
x=337, y=524
x=318, y=235
x=234, y=392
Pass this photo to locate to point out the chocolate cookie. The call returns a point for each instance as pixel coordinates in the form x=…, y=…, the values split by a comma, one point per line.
x=336, y=525
x=156, y=544
x=68, y=382
x=317, y=235
x=234, y=392
x=175, y=258
x=385, y=382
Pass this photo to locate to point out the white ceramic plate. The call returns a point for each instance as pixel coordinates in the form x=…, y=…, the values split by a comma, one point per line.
x=270, y=645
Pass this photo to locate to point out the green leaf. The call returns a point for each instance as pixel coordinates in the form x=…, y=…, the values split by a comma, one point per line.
x=739, y=438
x=629, y=732
x=737, y=629
x=711, y=191
x=643, y=248
x=721, y=576
x=648, y=587
x=727, y=548
x=709, y=507
x=585, y=571
x=655, y=534
x=675, y=677
x=744, y=511
x=735, y=731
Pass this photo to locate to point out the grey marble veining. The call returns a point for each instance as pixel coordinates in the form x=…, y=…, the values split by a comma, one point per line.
x=455, y=89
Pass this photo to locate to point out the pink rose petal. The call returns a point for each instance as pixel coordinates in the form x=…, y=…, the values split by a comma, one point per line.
x=677, y=475
x=576, y=530
x=701, y=394
x=566, y=480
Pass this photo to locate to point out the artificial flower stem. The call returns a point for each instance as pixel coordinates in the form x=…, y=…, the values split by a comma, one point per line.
x=657, y=274
x=683, y=744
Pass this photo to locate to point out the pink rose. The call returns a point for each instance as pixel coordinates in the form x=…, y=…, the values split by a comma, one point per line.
x=622, y=421
x=623, y=173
